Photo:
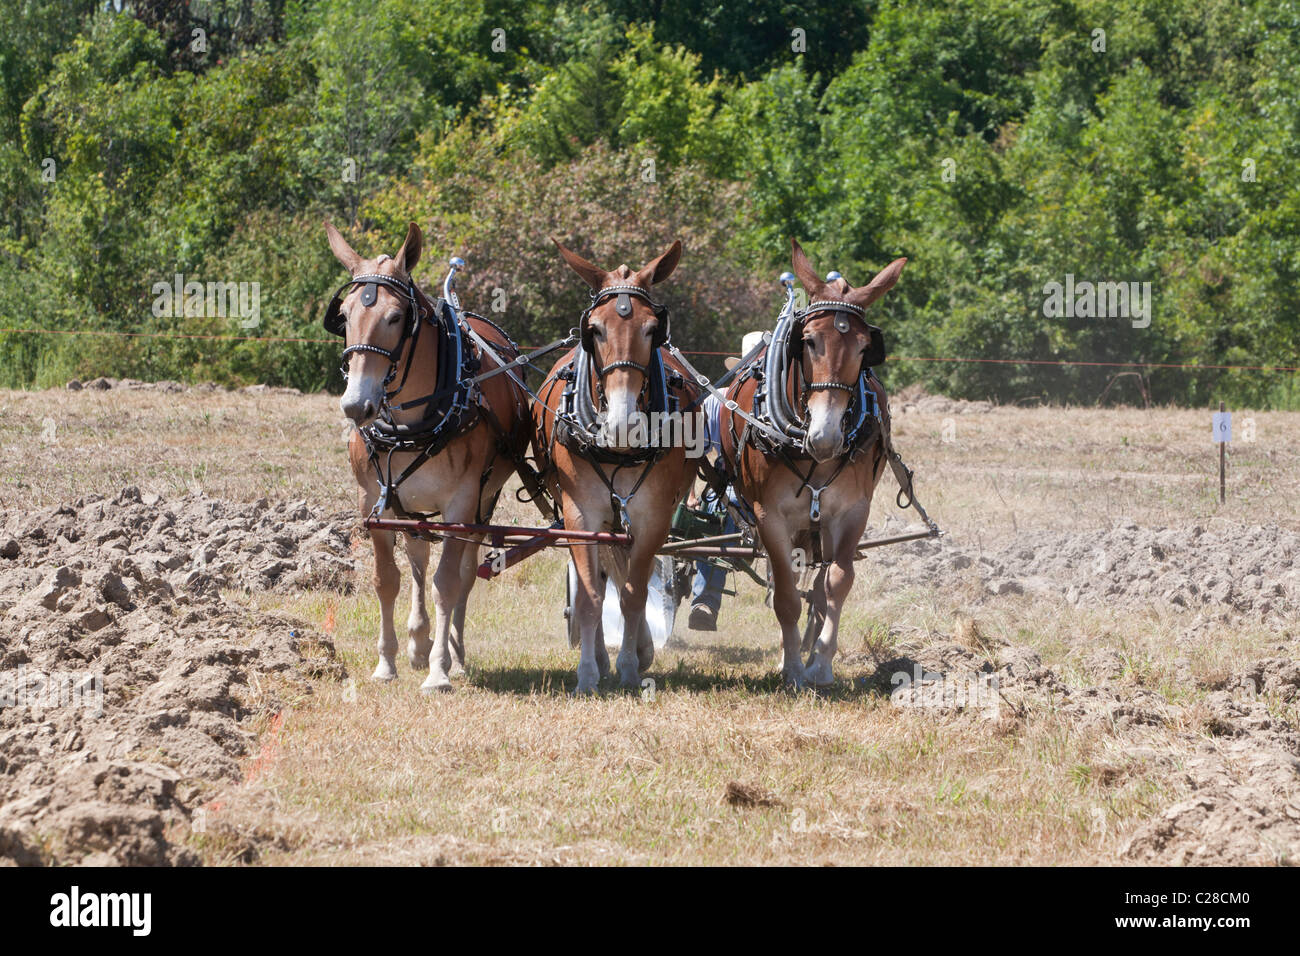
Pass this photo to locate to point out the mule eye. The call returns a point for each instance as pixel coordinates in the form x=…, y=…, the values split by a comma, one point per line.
x=393, y=319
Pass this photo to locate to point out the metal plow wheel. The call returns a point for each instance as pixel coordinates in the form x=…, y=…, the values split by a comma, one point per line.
x=660, y=611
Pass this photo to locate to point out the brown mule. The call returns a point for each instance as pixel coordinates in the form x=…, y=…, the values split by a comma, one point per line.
x=781, y=483
x=602, y=388
x=393, y=337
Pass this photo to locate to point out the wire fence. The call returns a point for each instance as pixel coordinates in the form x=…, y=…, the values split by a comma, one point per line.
x=892, y=358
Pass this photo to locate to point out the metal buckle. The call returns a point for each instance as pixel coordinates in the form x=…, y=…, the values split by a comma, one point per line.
x=625, y=522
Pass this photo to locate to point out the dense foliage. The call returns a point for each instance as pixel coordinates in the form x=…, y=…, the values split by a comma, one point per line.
x=1001, y=145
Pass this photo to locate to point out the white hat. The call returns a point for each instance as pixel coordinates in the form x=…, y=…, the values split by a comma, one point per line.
x=750, y=342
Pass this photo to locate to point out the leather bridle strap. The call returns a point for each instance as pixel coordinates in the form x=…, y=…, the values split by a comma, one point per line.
x=624, y=308
x=828, y=305
x=604, y=370
x=410, y=328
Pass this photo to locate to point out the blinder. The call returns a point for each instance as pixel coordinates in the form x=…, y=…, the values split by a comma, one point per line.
x=335, y=322
x=873, y=355
x=623, y=306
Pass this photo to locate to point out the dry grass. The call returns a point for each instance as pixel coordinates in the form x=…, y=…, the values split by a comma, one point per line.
x=511, y=768
x=1007, y=470
x=716, y=765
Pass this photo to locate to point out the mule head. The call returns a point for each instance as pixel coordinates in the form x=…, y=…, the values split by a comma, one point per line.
x=380, y=323
x=621, y=332
x=834, y=348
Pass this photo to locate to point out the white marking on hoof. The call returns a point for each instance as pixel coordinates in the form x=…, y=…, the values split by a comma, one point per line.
x=436, y=683
x=820, y=672
x=588, y=677
x=386, y=671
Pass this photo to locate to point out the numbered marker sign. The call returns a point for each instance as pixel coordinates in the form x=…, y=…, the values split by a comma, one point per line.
x=1223, y=426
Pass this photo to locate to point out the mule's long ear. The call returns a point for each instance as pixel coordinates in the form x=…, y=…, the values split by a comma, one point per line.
x=661, y=268
x=344, y=253
x=804, y=271
x=408, y=257
x=591, y=274
x=882, y=283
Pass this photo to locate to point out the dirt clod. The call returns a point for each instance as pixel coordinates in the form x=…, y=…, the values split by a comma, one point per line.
x=129, y=687
x=740, y=794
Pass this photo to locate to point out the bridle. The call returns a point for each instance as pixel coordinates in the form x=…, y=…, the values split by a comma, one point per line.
x=336, y=323
x=842, y=326
x=623, y=306
x=577, y=420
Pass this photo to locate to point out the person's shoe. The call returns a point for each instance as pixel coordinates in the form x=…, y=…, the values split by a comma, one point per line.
x=703, y=618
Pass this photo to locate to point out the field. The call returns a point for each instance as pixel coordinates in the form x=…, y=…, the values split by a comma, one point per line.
x=1141, y=639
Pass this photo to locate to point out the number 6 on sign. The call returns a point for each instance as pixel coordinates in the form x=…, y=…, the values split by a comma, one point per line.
x=1223, y=426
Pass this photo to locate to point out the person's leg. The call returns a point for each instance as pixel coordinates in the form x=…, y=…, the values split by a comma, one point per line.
x=706, y=590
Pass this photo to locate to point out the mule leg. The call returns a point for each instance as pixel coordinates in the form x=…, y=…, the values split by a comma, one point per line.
x=587, y=605
x=417, y=625
x=849, y=526
x=638, y=650
x=456, y=640
x=839, y=581
x=785, y=598
x=448, y=593
x=388, y=581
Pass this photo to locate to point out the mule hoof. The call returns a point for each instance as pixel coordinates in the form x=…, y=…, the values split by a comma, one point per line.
x=417, y=651
x=588, y=677
x=820, y=673
x=436, y=685
x=457, y=669
x=794, y=681
x=385, y=672
x=645, y=655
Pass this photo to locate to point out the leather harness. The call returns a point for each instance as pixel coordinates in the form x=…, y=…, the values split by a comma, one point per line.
x=577, y=422
x=452, y=410
x=777, y=431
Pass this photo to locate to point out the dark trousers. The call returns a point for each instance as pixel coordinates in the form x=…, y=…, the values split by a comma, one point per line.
x=706, y=589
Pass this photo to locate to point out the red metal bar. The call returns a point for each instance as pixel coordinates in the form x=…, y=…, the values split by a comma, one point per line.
x=513, y=556
x=499, y=533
